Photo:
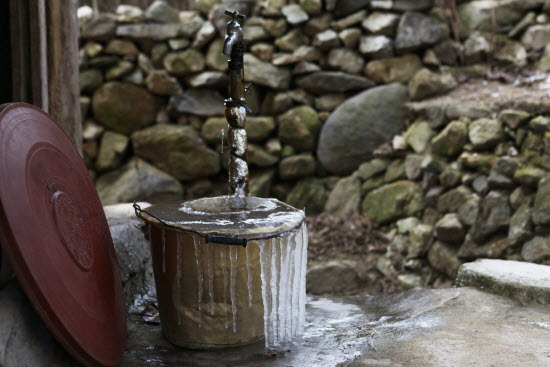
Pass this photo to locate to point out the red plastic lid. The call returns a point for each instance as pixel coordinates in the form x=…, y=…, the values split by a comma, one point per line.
x=55, y=234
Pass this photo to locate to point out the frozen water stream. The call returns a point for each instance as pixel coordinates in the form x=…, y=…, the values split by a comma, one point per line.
x=282, y=260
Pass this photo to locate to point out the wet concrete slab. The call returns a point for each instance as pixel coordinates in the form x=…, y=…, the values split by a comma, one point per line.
x=449, y=327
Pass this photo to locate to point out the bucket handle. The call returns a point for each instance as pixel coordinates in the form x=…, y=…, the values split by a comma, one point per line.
x=222, y=240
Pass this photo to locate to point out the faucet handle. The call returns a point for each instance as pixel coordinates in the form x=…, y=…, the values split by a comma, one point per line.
x=236, y=15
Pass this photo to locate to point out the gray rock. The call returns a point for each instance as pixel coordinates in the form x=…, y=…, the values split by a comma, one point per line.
x=485, y=133
x=529, y=176
x=155, y=32
x=451, y=140
x=333, y=82
x=420, y=240
x=112, y=151
x=413, y=166
x=396, y=69
x=376, y=47
x=494, y=215
x=541, y=209
x=329, y=102
x=522, y=282
x=372, y=168
x=132, y=252
x=214, y=57
x=259, y=128
x=453, y=199
x=393, y=201
x=418, y=135
x=344, y=199
x=178, y=44
x=349, y=21
x=350, y=37
x=309, y=194
x=259, y=157
x=345, y=7
x=201, y=102
x=128, y=14
x=326, y=40
x=358, y=126
x=520, y=225
x=537, y=36
x=297, y=166
x=444, y=258
x=191, y=22
x=537, y=249
x=513, y=118
x=161, y=12
x=119, y=70
x=299, y=128
x=312, y=7
x=333, y=277
x=495, y=16
x=123, y=107
x=90, y=80
x=449, y=229
x=208, y=79
x=451, y=175
x=161, y=83
x=265, y=74
x=24, y=338
x=101, y=28
x=260, y=183
x=183, y=63
x=135, y=181
x=205, y=34
x=121, y=48
x=381, y=23
x=346, y=60
x=417, y=31
x=294, y=14
x=178, y=150
x=412, y=5
x=426, y=83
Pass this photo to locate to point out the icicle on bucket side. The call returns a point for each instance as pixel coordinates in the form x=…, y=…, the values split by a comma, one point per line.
x=203, y=291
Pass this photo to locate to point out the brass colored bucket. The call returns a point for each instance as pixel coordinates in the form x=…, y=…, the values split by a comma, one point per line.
x=209, y=290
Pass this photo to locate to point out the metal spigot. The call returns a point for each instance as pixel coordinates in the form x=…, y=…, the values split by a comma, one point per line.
x=234, y=33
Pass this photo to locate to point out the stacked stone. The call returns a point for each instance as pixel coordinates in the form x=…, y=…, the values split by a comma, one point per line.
x=331, y=88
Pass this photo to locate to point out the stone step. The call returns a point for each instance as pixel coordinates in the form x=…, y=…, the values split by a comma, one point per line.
x=524, y=282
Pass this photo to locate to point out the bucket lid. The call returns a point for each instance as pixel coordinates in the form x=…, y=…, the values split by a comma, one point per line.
x=255, y=218
x=54, y=232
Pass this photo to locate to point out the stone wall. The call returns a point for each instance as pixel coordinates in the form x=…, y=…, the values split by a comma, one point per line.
x=335, y=84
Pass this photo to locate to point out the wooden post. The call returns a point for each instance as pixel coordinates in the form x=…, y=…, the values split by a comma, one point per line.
x=63, y=69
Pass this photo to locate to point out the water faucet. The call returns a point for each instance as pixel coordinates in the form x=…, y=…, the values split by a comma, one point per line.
x=234, y=34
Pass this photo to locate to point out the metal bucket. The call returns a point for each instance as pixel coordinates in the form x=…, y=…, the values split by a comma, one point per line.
x=206, y=263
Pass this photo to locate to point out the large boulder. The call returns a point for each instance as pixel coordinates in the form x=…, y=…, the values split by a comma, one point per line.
x=393, y=201
x=178, y=150
x=358, y=126
x=123, y=107
x=137, y=180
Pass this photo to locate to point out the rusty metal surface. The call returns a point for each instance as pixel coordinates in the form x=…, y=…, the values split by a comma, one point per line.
x=55, y=234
